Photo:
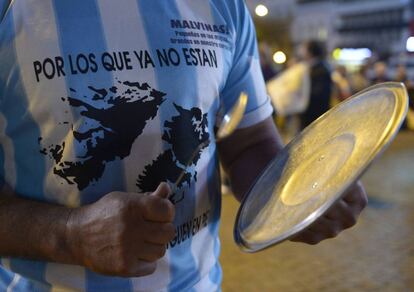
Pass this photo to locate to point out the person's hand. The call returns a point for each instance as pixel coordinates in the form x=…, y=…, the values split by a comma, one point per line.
x=123, y=234
x=340, y=216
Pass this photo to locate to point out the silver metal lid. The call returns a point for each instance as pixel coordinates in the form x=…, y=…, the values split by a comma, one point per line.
x=314, y=170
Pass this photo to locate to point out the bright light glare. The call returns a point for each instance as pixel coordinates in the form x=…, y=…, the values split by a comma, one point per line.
x=352, y=55
x=279, y=57
x=336, y=54
x=261, y=10
x=410, y=44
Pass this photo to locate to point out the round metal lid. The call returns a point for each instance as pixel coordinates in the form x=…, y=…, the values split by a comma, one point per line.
x=312, y=172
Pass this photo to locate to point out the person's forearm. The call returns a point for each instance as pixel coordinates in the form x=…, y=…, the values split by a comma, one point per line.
x=242, y=177
x=34, y=230
x=244, y=167
x=122, y=234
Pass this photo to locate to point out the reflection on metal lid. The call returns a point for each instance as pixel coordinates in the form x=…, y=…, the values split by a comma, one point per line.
x=314, y=170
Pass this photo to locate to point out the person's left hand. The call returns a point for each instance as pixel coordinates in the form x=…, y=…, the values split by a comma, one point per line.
x=342, y=215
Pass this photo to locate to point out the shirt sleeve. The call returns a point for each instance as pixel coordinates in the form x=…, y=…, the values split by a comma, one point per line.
x=246, y=74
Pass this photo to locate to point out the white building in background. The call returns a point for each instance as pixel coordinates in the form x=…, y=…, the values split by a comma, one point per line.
x=315, y=20
x=380, y=25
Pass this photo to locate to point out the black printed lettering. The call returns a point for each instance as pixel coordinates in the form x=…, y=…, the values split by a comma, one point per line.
x=82, y=63
x=94, y=65
x=38, y=69
x=213, y=57
x=108, y=62
x=174, y=57
x=144, y=59
x=163, y=59
x=175, y=23
x=49, y=68
x=60, y=66
x=72, y=69
x=189, y=229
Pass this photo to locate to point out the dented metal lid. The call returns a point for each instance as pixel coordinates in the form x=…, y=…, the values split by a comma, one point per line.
x=314, y=170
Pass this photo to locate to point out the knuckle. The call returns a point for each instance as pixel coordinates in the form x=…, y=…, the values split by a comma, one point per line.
x=160, y=252
x=146, y=269
x=155, y=253
x=313, y=241
x=123, y=206
x=308, y=238
x=169, y=231
x=122, y=262
x=146, y=206
x=333, y=232
x=349, y=218
x=112, y=195
x=123, y=270
x=364, y=201
x=118, y=198
x=124, y=218
x=122, y=259
x=168, y=209
x=111, y=199
x=151, y=269
x=121, y=266
x=171, y=211
x=123, y=233
x=352, y=221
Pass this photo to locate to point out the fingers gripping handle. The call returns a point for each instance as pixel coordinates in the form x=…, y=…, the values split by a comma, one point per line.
x=163, y=191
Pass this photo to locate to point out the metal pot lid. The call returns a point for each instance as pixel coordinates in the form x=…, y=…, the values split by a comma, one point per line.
x=314, y=170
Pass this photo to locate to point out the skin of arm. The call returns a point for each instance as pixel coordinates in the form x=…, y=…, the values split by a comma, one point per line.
x=122, y=234
x=247, y=152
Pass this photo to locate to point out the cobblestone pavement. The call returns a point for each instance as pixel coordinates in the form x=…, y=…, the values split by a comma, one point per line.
x=376, y=255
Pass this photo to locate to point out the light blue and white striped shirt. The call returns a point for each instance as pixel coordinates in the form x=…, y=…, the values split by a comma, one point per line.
x=99, y=96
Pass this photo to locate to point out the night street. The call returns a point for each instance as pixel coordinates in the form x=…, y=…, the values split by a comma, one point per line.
x=376, y=255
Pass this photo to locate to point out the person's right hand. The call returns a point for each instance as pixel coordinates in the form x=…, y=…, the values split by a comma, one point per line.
x=122, y=234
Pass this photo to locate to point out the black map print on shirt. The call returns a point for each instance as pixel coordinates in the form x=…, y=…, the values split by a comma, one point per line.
x=124, y=112
x=184, y=133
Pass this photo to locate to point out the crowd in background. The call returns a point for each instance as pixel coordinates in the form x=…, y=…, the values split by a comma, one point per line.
x=330, y=82
x=349, y=83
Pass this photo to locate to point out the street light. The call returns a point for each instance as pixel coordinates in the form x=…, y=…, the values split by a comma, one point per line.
x=410, y=44
x=261, y=10
x=279, y=57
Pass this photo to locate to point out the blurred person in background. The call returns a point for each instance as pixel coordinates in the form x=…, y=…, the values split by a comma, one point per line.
x=321, y=85
x=359, y=80
x=266, y=61
x=380, y=73
x=342, y=85
x=401, y=76
x=289, y=92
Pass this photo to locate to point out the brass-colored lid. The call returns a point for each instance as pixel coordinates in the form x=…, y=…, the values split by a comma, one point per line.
x=314, y=170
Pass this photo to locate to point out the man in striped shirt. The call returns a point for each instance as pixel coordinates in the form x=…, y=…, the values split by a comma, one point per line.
x=103, y=106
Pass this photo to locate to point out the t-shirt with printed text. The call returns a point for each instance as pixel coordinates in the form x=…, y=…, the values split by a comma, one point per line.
x=101, y=96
